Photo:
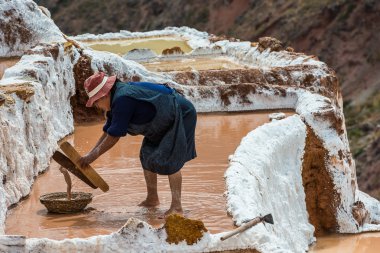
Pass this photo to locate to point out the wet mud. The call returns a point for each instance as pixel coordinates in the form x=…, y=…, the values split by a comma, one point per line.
x=217, y=137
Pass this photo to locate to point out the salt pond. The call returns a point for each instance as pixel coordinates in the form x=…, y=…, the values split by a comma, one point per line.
x=123, y=46
x=217, y=136
x=188, y=64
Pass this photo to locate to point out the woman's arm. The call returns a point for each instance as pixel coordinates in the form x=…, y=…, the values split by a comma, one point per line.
x=104, y=135
x=106, y=142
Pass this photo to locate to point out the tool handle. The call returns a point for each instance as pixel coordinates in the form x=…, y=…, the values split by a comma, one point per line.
x=88, y=171
x=242, y=228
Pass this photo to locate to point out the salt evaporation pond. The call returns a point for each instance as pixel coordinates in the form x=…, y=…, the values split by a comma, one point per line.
x=123, y=46
x=217, y=136
x=363, y=243
x=188, y=64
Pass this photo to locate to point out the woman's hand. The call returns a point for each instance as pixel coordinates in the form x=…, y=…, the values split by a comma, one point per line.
x=86, y=160
x=106, y=142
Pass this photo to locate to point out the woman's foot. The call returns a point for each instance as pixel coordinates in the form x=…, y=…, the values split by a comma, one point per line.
x=150, y=202
x=176, y=210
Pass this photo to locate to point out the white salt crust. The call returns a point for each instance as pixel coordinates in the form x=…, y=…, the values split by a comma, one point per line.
x=42, y=29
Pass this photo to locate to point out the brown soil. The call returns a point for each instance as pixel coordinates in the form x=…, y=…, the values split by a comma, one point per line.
x=269, y=42
x=179, y=228
x=173, y=50
x=14, y=28
x=321, y=197
x=335, y=119
x=278, y=76
x=360, y=213
x=241, y=90
x=82, y=70
x=222, y=16
x=24, y=91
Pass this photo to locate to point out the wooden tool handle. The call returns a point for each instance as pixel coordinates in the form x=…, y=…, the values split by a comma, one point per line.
x=242, y=228
x=88, y=171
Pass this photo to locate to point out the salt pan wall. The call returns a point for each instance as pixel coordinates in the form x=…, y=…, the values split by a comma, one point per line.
x=267, y=169
x=34, y=116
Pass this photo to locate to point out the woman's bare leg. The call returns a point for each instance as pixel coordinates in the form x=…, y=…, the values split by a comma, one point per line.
x=175, y=181
x=151, y=187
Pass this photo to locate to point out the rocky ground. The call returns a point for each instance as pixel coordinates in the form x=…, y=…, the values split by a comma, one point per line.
x=342, y=33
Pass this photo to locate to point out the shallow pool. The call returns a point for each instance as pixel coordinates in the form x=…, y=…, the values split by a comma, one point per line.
x=189, y=64
x=123, y=46
x=217, y=136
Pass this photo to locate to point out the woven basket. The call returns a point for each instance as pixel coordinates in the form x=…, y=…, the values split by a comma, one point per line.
x=57, y=202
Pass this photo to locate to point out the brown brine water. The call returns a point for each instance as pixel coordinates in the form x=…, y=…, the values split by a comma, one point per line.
x=361, y=243
x=217, y=137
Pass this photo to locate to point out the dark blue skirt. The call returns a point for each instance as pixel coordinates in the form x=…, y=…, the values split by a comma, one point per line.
x=189, y=117
x=176, y=146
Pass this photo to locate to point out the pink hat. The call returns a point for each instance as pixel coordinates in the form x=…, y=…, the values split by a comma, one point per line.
x=97, y=86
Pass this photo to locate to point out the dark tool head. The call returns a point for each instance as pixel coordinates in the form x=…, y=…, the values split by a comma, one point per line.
x=268, y=218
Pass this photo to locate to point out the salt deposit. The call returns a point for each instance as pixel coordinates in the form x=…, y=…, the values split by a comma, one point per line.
x=23, y=25
x=270, y=164
x=32, y=123
x=267, y=161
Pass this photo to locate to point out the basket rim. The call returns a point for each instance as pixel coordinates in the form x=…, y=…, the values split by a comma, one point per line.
x=49, y=197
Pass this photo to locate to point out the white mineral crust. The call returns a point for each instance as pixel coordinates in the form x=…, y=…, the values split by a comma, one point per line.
x=264, y=175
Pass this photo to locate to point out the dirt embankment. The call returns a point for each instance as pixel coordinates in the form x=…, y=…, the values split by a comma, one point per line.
x=321, y=197
x=82, y=70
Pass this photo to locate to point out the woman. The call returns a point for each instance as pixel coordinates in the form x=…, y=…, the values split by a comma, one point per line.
x=165, y=119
